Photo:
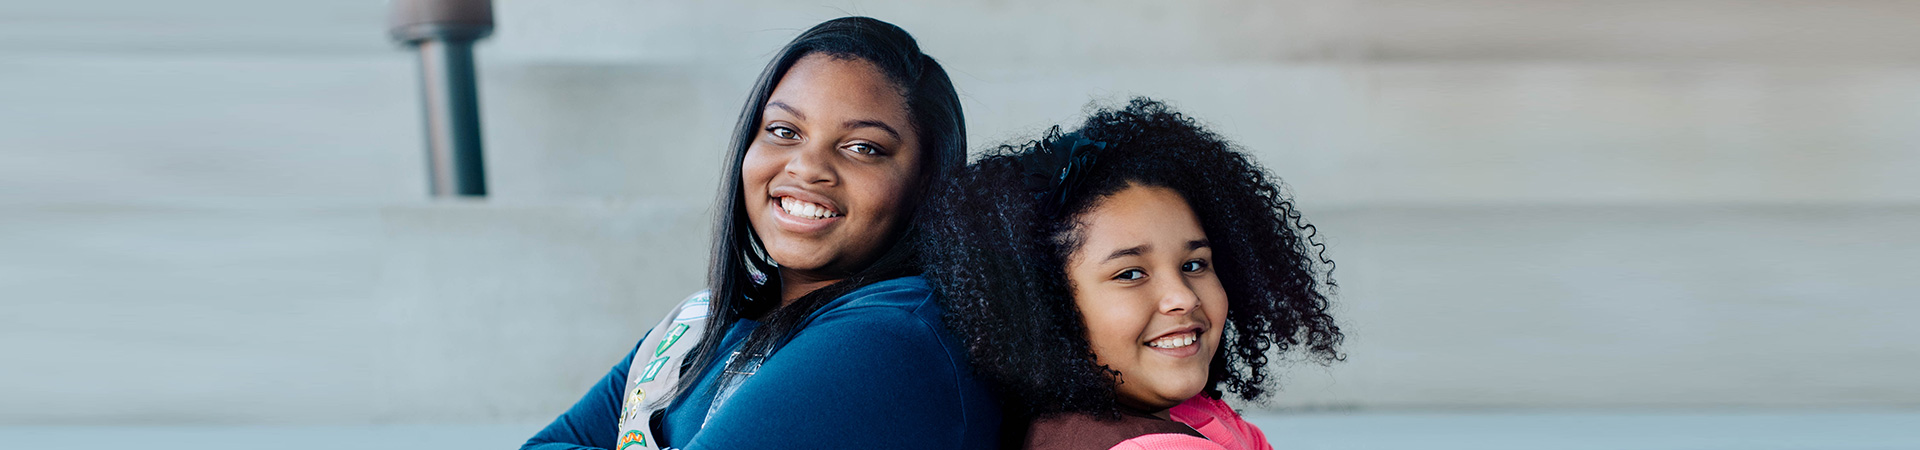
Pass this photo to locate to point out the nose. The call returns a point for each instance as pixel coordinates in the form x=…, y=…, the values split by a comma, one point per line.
x=1179, y=298
x=813, y=164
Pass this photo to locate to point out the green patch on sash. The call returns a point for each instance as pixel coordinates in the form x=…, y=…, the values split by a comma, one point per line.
x=633, y=437
x=671, y=338
x=653, y=368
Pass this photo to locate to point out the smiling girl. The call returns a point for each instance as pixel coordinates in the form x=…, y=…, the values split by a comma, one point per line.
x=1113, y=283
x=814, y=331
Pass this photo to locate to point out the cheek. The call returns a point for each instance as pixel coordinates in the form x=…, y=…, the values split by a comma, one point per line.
x=882, y=195
x=756, y=170
x=1213, y=300
x=1113, y=327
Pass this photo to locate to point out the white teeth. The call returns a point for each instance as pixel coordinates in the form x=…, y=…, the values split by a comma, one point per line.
x=806, y=209
x=1174, y=341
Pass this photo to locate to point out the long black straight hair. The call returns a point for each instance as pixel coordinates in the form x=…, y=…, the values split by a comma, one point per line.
x=933, y=107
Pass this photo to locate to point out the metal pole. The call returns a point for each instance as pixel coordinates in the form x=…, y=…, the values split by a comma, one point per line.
x=443, y=32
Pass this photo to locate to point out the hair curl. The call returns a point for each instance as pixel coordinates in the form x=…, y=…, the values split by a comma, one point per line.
x=999, y=262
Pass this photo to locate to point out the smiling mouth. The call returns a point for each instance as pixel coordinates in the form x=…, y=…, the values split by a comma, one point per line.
x=805, y=209
x=1176, y=340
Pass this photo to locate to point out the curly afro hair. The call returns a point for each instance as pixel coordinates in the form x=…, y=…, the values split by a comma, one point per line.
x=999, y=261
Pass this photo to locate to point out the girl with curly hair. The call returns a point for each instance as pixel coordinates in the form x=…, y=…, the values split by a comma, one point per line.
x=1113, y=283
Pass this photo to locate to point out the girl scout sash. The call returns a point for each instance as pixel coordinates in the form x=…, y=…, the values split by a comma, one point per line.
x=664, y=348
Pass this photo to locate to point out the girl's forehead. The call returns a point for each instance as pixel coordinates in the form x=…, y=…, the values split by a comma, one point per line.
x=1152, y=218
x=825, y=79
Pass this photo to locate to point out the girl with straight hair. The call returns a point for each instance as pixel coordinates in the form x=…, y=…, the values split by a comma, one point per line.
x=815, y=330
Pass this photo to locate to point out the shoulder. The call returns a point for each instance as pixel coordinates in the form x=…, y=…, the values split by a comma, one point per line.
x=1201, y=409
x=1219, y=422
x=903, y=310
x=1078, y=431
x=703, y=296
x=902, y=313
x=904, y=292
x=1167, y=442
x=695, y=306
x=908, y=296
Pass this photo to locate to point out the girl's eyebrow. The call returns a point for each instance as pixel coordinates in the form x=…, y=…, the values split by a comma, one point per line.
x=1130, y=251
x=871, y=124
x=850, y=124
x=1141, y=249
x=789, y=109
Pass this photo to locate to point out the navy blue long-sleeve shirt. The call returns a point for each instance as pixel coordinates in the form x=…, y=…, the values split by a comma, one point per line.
x=872, y=369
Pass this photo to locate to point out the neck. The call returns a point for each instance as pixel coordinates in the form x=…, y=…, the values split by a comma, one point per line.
x=794, y=285
x=1137, y=408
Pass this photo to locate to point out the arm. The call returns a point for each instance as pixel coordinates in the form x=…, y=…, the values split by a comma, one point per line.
x=867, y=377
x=593, y=421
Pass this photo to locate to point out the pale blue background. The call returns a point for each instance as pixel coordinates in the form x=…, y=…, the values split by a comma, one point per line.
x=1556, y=220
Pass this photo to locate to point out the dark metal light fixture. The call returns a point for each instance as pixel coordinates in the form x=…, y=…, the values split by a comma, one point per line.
x=443, y=31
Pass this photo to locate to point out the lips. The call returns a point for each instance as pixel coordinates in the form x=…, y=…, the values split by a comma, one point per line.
x=801, y=212
x=805, y=209
x=1179, y=343
x=1176, y=340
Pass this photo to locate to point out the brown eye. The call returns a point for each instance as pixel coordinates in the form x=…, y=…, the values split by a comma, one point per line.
x=783, y=132
x=1194, y=266
x=1130, y=275
x=864, y=149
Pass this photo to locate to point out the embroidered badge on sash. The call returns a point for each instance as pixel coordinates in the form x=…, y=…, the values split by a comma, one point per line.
x=632, y=437
x=632, y=407
x=653, y=368
x=687, y=322
x=672, y=337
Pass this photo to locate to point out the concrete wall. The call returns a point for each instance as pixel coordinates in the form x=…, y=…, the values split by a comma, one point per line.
x=213, y=211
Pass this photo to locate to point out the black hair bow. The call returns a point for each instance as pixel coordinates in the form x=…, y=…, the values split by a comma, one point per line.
x=1058, y=166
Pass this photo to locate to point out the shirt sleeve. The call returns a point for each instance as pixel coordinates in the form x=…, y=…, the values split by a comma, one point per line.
x=860, y=377
x=1219, y=423
x=593, y=421
x=1167, y=442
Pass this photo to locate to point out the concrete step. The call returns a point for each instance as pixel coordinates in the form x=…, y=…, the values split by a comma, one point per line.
x=1525, y=430
x=251, y=312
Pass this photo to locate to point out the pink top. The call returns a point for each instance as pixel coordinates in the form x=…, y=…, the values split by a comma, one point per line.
x=1219, y=423
x=1223, y=427
x=1167, y=441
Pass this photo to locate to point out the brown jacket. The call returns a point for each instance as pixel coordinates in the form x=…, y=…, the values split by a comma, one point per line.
x=1085, y=432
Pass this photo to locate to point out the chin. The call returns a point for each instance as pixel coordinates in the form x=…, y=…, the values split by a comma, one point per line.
x=1172, y=393
x=1185, y=394
x=805, y=262
x=1184, y=390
